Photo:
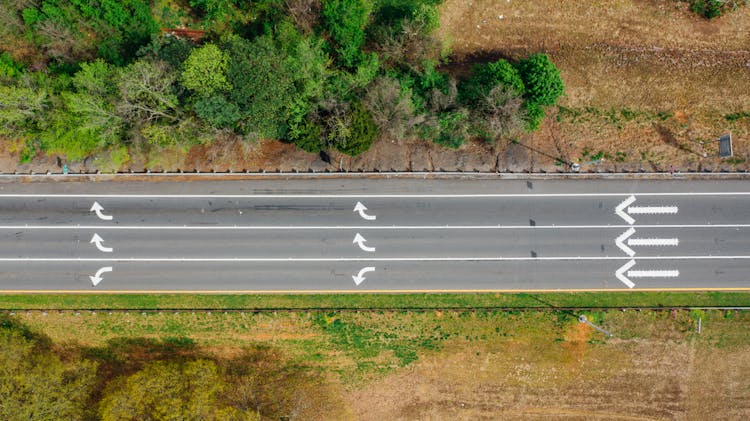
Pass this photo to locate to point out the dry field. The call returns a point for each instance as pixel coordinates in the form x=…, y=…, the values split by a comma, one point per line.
x=464, y=365
x=647, y=82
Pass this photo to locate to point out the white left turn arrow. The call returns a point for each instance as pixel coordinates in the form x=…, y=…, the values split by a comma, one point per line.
x=359, y=278
x=98, y=277
x=360, y=241
x=97, y=208
x=361, y=209
x=98, y=242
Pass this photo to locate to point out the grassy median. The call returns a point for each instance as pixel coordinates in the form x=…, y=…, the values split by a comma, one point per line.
x=372, y=301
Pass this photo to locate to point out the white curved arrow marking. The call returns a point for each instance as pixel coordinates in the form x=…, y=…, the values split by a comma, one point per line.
x=98, y=277
x=360, y=241
x=359, y=278
x=98, y=209
x=359, y=207
x=98, y=241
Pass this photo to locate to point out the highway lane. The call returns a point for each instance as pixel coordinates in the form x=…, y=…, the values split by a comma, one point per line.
x=418, y=235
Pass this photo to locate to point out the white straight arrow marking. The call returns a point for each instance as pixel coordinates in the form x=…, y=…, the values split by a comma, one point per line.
x=651, y=210
x=98, y=242
x=653, y=273
x=619, y=242
x=653, y=241
x=98, y=209
x=620, y=273
x=359, y=278
x=359, y=207
x=98, y=277
x=360, y=241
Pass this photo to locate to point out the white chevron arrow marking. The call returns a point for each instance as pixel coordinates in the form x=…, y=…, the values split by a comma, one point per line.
x=619, y=210
x=620, y=273
x=624, y=210
x=620, y=242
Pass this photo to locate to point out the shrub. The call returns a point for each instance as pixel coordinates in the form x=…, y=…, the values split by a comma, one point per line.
x=541, y=79
x=534, y=116
x=485, y=77
x=501, y=113
x=357, y=133
x=453, y=128
x=391, y=107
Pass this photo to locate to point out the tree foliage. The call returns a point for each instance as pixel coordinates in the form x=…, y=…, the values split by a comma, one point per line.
x=36, y=385
x=173, y=391
x=541, y=79
x=486, y=77
x=204, y=71
x=345, y=21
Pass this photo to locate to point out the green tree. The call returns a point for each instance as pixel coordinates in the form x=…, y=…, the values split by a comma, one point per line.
x=345, y=21
x=21, y=109
x=541, y=79
x=204, y=71
x=36, y=385
x=147, y=92
x=217, y=111
x=169, y=391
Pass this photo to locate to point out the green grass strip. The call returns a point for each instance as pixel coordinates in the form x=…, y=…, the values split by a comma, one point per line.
x=367, y=301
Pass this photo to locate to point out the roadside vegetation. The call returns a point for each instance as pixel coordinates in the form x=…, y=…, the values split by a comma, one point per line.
x=372, y=365
x=83, y=77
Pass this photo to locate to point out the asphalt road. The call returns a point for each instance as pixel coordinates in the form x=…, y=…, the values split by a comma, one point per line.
x=415, y=235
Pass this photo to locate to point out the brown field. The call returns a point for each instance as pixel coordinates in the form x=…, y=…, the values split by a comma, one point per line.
x=623, y=62
x=464, y=365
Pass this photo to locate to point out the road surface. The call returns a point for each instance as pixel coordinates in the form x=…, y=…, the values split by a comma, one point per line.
x=342, y=235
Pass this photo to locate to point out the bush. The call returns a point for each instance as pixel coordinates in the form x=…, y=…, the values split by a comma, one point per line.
x=391, y=107
x=534, y=116
x=500, y=113
x=541, y=79
x=356, y=134
x=487, y=76
x=453, y=128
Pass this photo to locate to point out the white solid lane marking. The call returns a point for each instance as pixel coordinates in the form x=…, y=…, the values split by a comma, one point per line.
x=354, y=227
x=353, y=259
x=360, y=208
x=367, y=196
x=98, y=277
x=360, y=241
x=97, y=208
x=653, y=273
x=97, y=240
x=653, y=241
x=620, y=242
x=359, y=278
